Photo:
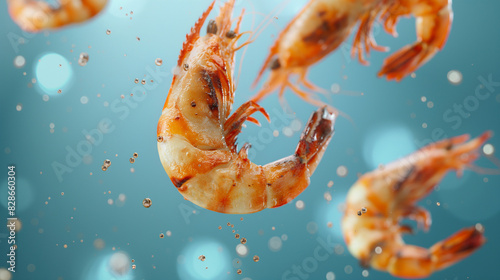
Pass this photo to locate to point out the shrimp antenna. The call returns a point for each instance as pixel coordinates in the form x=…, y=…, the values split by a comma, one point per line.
x=487, y=171
x=268, y=19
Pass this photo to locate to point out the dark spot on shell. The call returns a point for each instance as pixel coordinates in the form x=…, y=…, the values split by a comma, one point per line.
x=403, y=180
x=325, y=30
x=212, y=27
x=213, y=82
x=186, y=66
x=179, y=182
x=177, y=118
x=275, y=64
x=193, y=104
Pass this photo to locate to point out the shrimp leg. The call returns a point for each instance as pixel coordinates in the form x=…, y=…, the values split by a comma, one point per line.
x=434, y=20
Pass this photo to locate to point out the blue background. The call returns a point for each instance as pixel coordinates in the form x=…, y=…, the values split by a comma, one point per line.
x=387, y=124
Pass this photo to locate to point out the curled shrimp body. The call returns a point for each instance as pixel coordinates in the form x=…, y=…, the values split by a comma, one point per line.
x=377, y=202
x=323, y=25
x=35, y=16
x=197, y=135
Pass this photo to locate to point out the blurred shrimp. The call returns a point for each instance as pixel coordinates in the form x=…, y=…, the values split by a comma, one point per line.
x=35, y=16
x=323, y=25
x=197, y=135
x=379, y=200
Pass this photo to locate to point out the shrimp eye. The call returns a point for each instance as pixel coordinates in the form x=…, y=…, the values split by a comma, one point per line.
x=231, y=34
x=212, y=27
x=275, y=64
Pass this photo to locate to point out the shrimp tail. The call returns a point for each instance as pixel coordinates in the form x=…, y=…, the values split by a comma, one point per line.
x=315, y=137
x=457, y=247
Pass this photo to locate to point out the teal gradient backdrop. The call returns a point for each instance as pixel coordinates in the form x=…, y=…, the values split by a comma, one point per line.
x=43, y=133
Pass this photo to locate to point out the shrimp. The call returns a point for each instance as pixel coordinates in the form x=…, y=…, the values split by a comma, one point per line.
x=389, y=194
x=35, y=16
x=197, y=136
x=323, y=25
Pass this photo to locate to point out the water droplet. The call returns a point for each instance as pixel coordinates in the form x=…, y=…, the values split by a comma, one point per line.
x=256, y=258
x=108, y=31
x=162, y=235
x=330, y=276
x=147, y=202
x=242, y=250
x=84, y=99
x=159, y=139
x=239, y=271
x=134, y=266
x=84, y=58
x=423, y=99
x=275, y=244
x=378, y=250
x=342, y=171
x=335, y=88
x=454, y=77
x=19, y=107
x=300, y=204
x=19, y=61
x=158, y=61
x=143, y=82
x=132, y=160
x=202, y=258
x=237, y=236
x=243, y=240
x=327, y=196
x=488, y=149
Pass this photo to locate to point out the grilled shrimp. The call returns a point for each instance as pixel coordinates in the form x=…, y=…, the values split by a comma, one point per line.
x=323, y=25
x=34, y=16
x=197, y=135
x=380, y=199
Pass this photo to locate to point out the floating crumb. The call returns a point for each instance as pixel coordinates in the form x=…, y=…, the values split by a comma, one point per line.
x=147, y=202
